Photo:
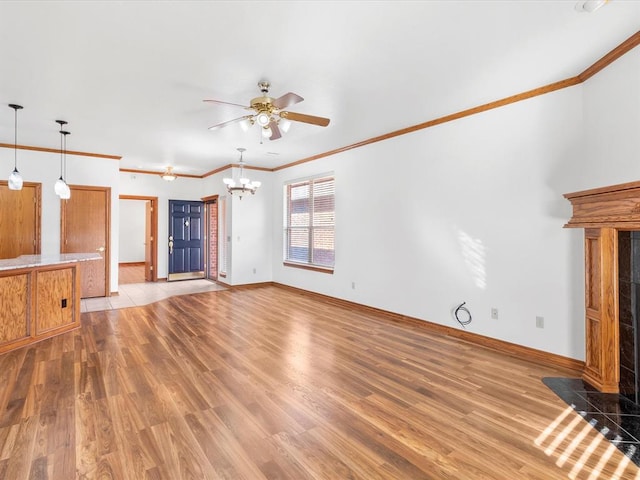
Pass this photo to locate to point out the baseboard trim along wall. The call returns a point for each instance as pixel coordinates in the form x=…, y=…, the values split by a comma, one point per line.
x=520, y=351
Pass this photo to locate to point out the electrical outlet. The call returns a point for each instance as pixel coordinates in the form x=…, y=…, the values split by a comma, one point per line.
x=494, y=313
x=353, y=285
x=539, y=322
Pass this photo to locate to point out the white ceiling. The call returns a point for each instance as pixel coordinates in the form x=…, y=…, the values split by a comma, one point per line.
x=130, y=76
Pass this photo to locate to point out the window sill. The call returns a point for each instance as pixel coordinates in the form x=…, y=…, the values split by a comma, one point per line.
x=306, y=266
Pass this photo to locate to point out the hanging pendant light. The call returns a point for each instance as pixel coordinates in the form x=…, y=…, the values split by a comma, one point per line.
x=15, y=179
x=60, y=186
x=245, y=185
x=66, y=194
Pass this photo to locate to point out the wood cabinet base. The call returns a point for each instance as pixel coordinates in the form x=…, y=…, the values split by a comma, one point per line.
x=38, y=303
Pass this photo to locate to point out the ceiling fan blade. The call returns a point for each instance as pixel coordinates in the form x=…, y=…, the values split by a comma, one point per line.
x=287, y=100
x=301, y=117
x=225, y=103
x=275, y=130
x=229, y=122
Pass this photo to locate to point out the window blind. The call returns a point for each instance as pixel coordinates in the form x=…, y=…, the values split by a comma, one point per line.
x=310, y=222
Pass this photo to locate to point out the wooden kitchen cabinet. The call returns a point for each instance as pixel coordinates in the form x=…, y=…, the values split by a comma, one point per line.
x=38, y=302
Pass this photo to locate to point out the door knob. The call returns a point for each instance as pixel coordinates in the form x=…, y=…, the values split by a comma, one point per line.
x=101, y=249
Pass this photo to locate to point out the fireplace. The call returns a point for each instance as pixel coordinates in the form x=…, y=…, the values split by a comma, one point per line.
x=610, y=217
x=629, y=312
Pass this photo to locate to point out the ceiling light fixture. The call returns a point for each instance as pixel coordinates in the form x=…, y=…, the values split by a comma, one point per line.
x=15, y=179
x=168, y=175
x=61, y=188
x=270, y=114
x=244, y=185
x=263, y=118
x=590, y=6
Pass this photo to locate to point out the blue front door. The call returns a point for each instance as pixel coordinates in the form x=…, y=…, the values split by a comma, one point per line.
x=186, y=240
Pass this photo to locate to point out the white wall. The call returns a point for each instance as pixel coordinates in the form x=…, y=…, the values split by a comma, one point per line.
x=469, y=211
x=612, y=125
x=249, y=228
x=44, y=168
x=473, y=211
x=132, y=231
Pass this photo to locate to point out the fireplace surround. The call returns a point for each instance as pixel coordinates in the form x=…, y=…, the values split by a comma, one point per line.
x=610, y=217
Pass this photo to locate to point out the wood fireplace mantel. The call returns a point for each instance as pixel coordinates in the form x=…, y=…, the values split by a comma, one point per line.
x=616, y=206
x=602, y=212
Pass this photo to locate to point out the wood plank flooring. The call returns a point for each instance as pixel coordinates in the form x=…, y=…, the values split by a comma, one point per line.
x=266, y=383
x=130, y=274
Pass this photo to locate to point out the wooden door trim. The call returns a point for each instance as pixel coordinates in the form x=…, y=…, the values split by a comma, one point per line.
x=38, y=216
x=154, y=228
x=107, y=251
x=209, y=202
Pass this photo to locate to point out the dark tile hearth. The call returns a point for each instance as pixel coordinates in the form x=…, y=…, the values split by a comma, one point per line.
x=614, y=416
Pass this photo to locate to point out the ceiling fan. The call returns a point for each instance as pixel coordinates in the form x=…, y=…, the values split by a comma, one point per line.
x=269, y=113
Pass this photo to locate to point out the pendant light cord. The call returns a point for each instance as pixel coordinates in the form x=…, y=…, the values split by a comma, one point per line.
x=15, y=139
x=61, y=156
x=15, y=134
x=63, y=149
x=65, y=153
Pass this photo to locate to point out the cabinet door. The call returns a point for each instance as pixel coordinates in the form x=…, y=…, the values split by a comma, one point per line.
x=54, y=299
x=14, y=308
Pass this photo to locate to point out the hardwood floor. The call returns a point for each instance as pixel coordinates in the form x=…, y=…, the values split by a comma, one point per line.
x=266, y=383
x=128, y=273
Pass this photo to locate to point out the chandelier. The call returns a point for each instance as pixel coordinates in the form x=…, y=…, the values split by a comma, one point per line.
x=244, y=185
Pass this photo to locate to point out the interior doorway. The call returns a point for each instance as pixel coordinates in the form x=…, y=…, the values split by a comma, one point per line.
x=138, y=249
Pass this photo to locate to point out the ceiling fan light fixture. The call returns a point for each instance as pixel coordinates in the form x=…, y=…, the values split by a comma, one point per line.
x=284, y=125
x=270, y=113
x=590, y=6
x=245, y=125
x=263, y=119
x=168, y=175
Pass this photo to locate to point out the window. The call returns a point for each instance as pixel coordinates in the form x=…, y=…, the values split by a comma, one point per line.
x=309, y=223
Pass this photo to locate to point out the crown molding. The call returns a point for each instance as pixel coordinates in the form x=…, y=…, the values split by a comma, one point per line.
x=57, y=150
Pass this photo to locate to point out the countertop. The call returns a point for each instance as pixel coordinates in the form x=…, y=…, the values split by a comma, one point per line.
x=28, y=261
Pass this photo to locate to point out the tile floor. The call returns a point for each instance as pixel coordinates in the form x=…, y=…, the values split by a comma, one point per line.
x=614, y=416
x=136, y=294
